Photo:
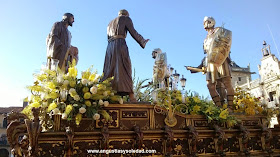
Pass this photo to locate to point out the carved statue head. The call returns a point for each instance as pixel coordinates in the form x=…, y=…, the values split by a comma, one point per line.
x=123, y=12
x=137, y=129
x=68, y=130
x=209, y=22
x=69, y=18
x=155, y=52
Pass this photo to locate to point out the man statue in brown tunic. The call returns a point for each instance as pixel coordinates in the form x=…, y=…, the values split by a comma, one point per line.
x=59, y=43
x=117, y=61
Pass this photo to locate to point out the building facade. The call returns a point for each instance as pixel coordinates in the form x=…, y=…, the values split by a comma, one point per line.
x=5, y=150
x=267, y=87
x=239, y=74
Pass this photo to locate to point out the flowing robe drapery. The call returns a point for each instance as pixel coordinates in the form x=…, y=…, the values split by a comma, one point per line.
x=117, y=61
x=58, y=43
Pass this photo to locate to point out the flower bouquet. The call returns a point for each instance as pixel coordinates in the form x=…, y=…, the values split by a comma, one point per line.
x=71, y=97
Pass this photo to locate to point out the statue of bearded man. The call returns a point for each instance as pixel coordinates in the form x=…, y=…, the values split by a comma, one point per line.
x=59, y=48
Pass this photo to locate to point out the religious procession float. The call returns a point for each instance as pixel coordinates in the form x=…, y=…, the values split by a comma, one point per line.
x=94, y=115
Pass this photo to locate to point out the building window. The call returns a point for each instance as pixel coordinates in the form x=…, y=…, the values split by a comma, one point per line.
x=4, y=152
x=3, y=140
x=239, y=78
x=5, y=122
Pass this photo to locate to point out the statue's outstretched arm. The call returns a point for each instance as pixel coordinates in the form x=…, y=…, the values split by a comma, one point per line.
x=129, y=25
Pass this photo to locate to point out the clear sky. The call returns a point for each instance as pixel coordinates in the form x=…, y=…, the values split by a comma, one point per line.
x=174, y=26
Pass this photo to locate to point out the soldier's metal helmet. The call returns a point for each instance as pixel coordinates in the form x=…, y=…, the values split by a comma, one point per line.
x=123, y=12
x=211, y=22
x=66, y=18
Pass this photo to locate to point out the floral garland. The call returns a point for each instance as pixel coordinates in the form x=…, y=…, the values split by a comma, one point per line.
x=191, y=104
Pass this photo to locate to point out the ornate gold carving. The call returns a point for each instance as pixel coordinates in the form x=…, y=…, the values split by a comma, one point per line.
x=16, y=116
x=169, y=140
x=266, y=138
x=156, y=144
x=179, y=142
x=123, y=127
x=113, y=123
x=123, y=144
x=192, y=136
x=57, y=121
x=33, y=128
x=231, y=145
x=158, y=126
x=201, y=123
x=81, y=147
x=152, y=119
x=250, y=122
x=189, y=122
x=105, y=137
x=244, y=139
x=134, y=114
x=138, y=137
x=146, y=126
x=90, y=127
x=182, y=125
x=14, y=130
x=69, y=144
x=170, y=121
x=205, y=145
x=51, y=148
x=219, y=138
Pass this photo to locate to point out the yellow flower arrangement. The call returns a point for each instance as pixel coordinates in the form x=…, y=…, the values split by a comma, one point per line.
x=51, y=85
x=260, y=109
x=87, y=95
x=27, y=111
x=196, y=99
x=195, y=110
x=55, y=92
x=35, y=98
x=78, y=118
x=88, y=103
x=53, y=95
x=210, y=110
x=187, y=100
x=52, y=106
x=224, y=114
x=72, y=83
x=85, y=89
x=250, y=111
x=73, y=72
x=35, y=88
x=92, y=77
x=35, y=104
x=86, y=74
x=244, y=103
x=41, y=77
x=225, y=106
x=68, y=109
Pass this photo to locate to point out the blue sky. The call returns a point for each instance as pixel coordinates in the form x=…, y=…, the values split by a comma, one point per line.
x=174, y=26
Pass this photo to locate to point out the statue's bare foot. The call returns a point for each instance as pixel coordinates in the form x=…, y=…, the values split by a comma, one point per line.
x=132, y=98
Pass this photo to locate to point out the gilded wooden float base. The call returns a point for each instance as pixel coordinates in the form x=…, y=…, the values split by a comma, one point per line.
x=142, y=127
